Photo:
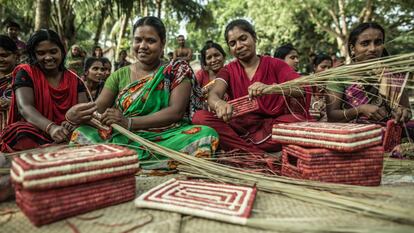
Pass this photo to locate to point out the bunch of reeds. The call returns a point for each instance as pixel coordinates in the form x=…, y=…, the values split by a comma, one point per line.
x=343, y=197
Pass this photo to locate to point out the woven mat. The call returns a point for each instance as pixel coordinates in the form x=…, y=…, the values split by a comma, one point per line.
x=127, y=218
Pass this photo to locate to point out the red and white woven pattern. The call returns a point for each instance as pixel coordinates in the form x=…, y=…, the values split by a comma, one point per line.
x=222, y=202
x=46, y=206
x=336, y=136
x=392, y=135
x=72, y=166
x=243, y=105
x=359, y=168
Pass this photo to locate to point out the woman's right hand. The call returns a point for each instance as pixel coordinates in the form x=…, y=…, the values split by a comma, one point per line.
x=59, y=133
x=223, y=110
x=373, y=112
x=81, y=113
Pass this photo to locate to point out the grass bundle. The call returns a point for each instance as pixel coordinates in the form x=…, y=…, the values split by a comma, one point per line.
x=335, y=196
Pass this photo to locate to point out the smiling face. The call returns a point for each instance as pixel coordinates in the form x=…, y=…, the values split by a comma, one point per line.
x=292, y=59
x=369, y=45
x=96, y=72
x=181, y=40
x=48, y=55
x=147, y=45
x=13, y=32
x=8, y=61
x=214, y=59
x=242, y=44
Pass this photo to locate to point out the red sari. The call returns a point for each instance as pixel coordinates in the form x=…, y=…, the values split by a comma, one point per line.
x=252, y=132
x=52, y=103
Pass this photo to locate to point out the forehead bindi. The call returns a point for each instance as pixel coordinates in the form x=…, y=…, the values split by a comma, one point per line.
x=370, y=34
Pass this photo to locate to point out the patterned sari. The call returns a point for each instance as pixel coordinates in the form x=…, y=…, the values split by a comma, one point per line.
x=150, y=95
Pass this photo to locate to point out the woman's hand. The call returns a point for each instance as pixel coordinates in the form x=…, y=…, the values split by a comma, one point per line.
x=59, y=133
x=402, y=114
x=81, y=113
x=258, y=89
x=223, y=110
x=373, y=112
x=114, y=116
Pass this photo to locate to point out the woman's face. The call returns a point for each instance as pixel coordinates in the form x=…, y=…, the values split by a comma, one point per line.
x=369, y=45
x=98, y=52
x=96, y=72
x=147, y=45
x=324, y=65
x=48, y=55
x=107, y=69
x=292, y=59
x=242, y=44
x=214, y=59
x=8, y=61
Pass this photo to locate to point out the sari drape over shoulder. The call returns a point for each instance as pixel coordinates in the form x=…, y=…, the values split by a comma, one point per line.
x=51, y=102
x=150, y=95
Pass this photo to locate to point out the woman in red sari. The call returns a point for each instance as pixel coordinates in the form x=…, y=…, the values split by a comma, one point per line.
x=43, y=91
x=251, y=75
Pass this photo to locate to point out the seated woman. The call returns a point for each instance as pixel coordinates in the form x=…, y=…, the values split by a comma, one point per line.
x=94, y=76
x=289, y=54
x=43, y=91
x=365, y=102
x=8, y=61
x=75, y=59
x=212, y=60
x=250, y=74
x=153, y=100
x=321, y=62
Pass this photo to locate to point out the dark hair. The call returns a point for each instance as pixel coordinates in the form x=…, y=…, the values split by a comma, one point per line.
x=154, y=22
x=283, y=51
x=44, y=35
x=320, y=58
x=122, y=51
x=94, y=49
x=210, y=44
x=12, y=24
x=353, y=36
x=8, y=44
x=89, y=61
x=242, y=24
x=105, y=60
x=180, y=36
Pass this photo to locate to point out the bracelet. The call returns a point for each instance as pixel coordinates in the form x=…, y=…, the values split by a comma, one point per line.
x=129, y=123
x=344, y=112
x=49, y=126
x=69, y=121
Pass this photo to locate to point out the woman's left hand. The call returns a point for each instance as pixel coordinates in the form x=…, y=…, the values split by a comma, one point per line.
x=402, y=114
x=114, y=116
x=258, y=89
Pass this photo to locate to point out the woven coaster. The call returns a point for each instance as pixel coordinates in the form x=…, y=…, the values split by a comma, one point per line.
x=221, y=202
x=72, y=166
x=392, y=136
x=41, y=209
x=243, y=105
x=336, y=136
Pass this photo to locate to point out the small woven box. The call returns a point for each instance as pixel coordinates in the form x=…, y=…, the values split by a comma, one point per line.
x=359, y=168
x=243, y=105
x=71, y=181
x=345, y=137
x=392, y=135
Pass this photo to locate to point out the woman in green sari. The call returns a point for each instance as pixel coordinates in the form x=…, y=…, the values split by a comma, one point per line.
x=154, y=100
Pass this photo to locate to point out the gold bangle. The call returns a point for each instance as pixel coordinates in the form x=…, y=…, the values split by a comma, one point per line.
x=49, y=126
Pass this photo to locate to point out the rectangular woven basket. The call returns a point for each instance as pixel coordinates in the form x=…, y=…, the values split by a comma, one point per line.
x=359, y=168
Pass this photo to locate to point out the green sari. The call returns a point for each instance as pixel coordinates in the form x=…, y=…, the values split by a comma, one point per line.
x=145, y=97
